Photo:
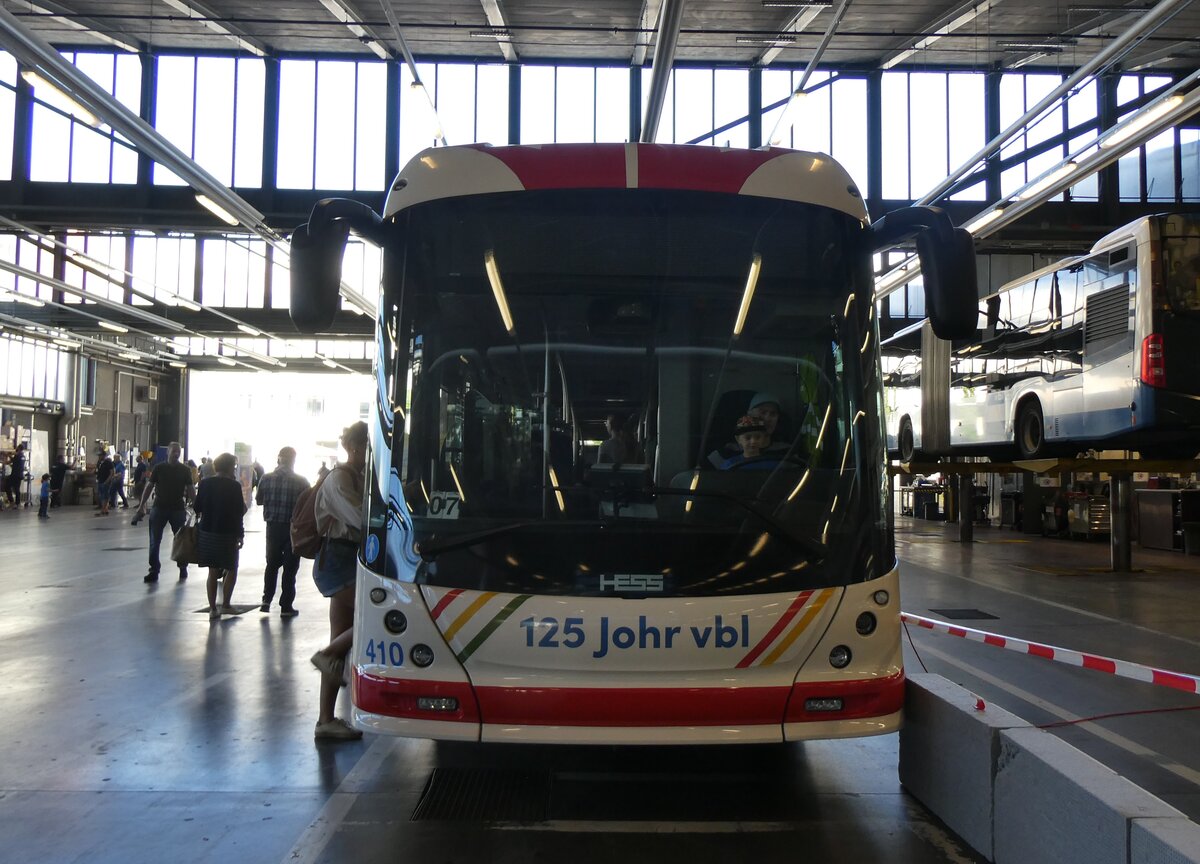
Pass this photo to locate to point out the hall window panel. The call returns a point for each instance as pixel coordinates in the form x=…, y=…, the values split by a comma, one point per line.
x=165, y=266
x=297, y=124
x=418, y=123
x=38, y=389
x=216, y=97
x=370, y=132
x=693, y=105
x=1050, y=125
x=1189, y=159
x=612, y=104
x=776, y=86
x=362, y=268
x=848, y=127
x=575, y=105
x=967, y=125
x=812, y=116
x=930, y=159
x=1159, y=156
x=25, y=383
x=336, y=124
x=731, y=102
x=64, y=150
x=248, y=124
x=896, y=133
x=174, y=110
x=491, y=104
x=281, y=283
x=30, y=256
x=8, y=107
x=108, y=251
x=455, y=101
x=212, y=282
x=10, y=353
x=537, y=104
x=1082, y=108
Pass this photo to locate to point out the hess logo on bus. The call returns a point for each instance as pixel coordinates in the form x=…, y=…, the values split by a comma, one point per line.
x=646, y=582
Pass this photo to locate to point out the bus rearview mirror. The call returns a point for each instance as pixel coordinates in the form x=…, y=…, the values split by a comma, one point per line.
x=951, y=283
x=316, y=275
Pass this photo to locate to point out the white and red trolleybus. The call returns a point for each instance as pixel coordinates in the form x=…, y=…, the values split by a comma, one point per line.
x=518, y=583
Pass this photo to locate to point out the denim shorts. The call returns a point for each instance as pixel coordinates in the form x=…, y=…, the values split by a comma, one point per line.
x=336, y=566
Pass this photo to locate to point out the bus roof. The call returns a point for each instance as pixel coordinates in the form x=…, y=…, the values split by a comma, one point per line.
x=476, y=169
x=1062, y=264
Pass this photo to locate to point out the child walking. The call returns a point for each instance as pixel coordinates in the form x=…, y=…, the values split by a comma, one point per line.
x=44, y=498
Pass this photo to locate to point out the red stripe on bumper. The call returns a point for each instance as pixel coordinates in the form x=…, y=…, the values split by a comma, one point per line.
x=629, y=707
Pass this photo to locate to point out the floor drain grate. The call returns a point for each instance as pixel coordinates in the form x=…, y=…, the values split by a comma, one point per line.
x=122, y=548
x=964, y=614
x=484, y=795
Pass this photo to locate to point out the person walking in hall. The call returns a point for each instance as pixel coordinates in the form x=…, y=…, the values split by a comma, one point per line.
x=140, y=470
x=171, y=484
x=220, y=506
x=277, y=493
x=104, y=473
x=338, y=508
x=117, y=484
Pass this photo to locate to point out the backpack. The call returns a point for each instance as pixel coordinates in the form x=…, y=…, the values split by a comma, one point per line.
x=306, y=539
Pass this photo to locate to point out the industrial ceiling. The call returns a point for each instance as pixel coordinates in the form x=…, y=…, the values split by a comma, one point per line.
x=987, y=34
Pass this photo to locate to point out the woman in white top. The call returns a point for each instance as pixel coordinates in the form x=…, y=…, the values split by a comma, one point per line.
x=338, y=508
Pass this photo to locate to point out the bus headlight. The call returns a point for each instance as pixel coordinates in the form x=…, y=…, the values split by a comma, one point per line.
x=865, y=624
x=839, y=657
x=378, y=595
x=422, y=655
x=395, y=621
x=881, y=597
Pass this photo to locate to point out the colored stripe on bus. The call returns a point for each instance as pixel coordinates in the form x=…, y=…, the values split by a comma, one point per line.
x=490, y=627
x=447, y=598
x=774, y=632
x=801, y=625
x=468, y=613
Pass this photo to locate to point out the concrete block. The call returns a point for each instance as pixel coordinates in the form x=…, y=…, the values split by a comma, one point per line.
x=1055, y=804
x=1164, y=841
x=948, y=752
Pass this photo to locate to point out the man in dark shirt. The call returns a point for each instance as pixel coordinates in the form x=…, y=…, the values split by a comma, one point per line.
x=104, y=471
x=277, y=493
x=171, y=483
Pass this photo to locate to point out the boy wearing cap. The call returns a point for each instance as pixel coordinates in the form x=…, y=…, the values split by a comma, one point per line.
x=752, y=436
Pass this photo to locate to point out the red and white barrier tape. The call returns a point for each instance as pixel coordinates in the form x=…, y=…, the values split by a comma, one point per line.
x=1120, y=668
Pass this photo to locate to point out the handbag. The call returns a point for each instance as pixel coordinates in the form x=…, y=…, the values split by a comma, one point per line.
x=183, y=546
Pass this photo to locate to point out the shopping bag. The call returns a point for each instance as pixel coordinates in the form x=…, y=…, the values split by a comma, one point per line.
x=183, y=546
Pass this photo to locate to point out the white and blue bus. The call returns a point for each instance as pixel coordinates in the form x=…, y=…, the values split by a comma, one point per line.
x=1092, y=352
x=511, y=586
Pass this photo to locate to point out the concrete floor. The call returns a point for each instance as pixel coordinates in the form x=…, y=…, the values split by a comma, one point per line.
x=138, y=732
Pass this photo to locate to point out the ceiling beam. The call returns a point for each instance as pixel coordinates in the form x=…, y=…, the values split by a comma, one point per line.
x=647, y=22
x=1166, y=54
x=346, y=14
x=67, y=17
x=208, y=17
x=796, y=25
x=497, y=19
x=954, y=19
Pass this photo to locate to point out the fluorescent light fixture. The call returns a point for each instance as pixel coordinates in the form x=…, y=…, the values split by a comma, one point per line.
x=1140, y=121
x=51, y=94
x=216, y=209
x=108, y=325
x=66, y=343
x=1049, y=180
x=491, y=34
x=493, y=274
x=129, y=355
x=1045, y=47
x=1124, y=10
x=325, y=361
x=186, y=303
x=175, y=364
x=795, y=4
x=226, y=361
x=777, y=39
x=247, y=329
x=945, y=30
x=747, y=294
x=980, y=222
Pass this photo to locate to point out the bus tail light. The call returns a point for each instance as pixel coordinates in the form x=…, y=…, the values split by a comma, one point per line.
x=845, y=700
x=1154, y=367
x=407, y=697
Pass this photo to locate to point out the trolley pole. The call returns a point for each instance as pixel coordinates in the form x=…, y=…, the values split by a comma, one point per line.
x=1120, y=502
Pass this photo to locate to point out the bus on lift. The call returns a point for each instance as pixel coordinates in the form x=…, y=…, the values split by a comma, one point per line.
x=515, y=586
x=1092, y=352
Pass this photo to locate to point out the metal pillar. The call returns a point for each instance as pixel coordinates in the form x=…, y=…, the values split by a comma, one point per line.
x=966, y=508
x=1120, y=513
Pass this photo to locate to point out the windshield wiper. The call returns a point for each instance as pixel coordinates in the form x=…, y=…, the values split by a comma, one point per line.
x=815, y=551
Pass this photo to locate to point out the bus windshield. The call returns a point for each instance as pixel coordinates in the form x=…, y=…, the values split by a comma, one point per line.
x=633, y=393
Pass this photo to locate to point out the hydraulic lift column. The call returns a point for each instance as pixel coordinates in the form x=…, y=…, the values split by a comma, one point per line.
x=1120, y=507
